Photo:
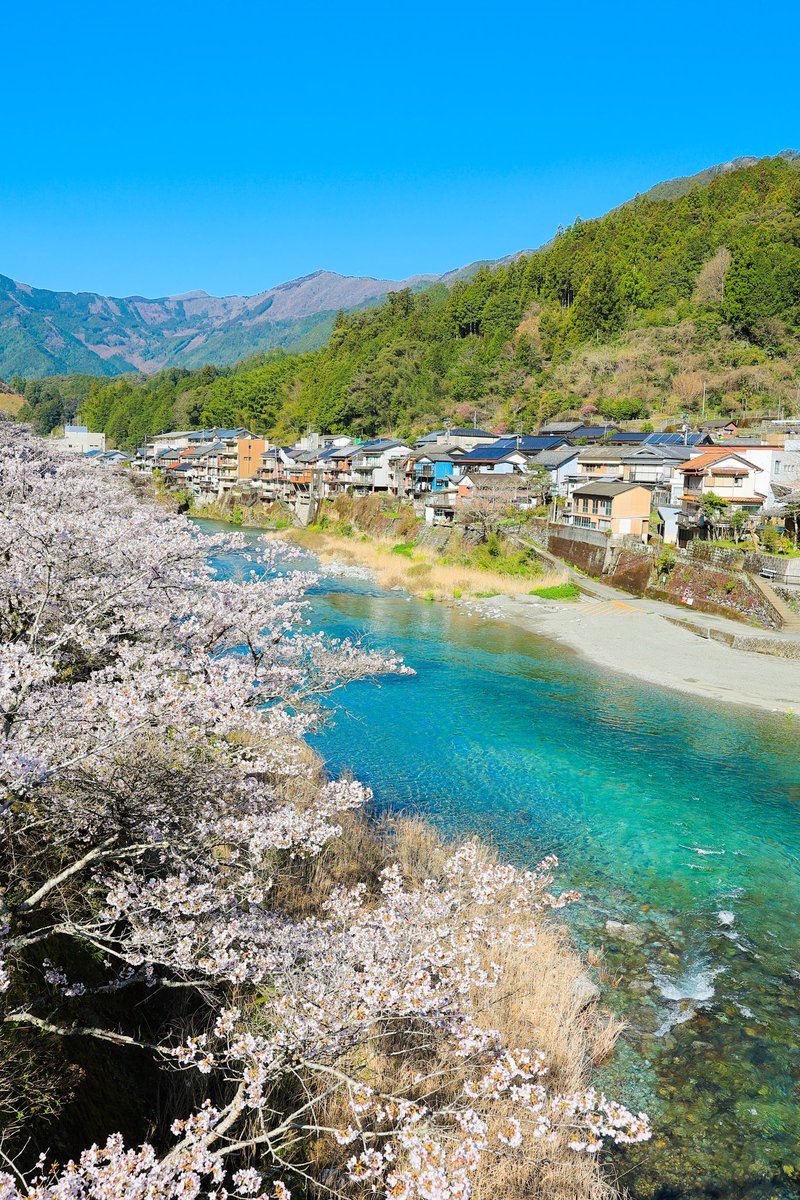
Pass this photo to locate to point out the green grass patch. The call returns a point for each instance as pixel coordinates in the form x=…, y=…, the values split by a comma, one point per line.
x=561, y=591
x=404, y=548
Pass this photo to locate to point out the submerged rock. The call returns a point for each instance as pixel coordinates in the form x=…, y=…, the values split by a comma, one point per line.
x=634, y=934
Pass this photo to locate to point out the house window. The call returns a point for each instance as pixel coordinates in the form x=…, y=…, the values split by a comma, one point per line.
x=584, y=504
x=584, y=522
x=737, y=481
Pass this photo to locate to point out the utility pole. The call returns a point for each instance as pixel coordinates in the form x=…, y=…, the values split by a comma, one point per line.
x=704, y=399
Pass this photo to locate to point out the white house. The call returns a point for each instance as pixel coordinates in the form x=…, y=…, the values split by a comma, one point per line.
x=379, y=466
x=78, y=439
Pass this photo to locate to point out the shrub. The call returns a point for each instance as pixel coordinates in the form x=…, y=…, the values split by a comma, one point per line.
x=561, y=591
x=666, y=561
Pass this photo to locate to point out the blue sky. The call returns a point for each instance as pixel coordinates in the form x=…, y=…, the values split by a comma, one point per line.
x=155, y=148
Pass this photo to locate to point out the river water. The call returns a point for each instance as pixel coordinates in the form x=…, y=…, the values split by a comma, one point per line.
x=667, y=812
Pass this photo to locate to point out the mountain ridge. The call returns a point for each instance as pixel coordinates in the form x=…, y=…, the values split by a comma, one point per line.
x=44, y=333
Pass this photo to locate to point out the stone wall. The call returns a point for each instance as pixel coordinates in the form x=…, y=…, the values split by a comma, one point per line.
x=537, y=530
x=786, y=569
x=630, y=569
x=699, y=551
x=714, y=589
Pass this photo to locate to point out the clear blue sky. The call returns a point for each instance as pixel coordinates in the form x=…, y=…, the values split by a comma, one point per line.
x=155, y=148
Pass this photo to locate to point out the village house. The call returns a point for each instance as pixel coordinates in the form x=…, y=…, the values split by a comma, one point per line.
x=560, y=464
x=378, y=466
x=655, y=465
x=465, y=439
x=579, y=430
x=613, y=507
x=533, y=444
x=596, y=462
x=249, y=451
x=78, y=439
x=431, y=469
x=719, y=472
x=497, y=459
x=679, y=439
x=513, y=489
x=720, y=427
x=767, y=457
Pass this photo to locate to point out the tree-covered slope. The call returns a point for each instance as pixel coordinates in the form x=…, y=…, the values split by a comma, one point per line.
x=631, y=314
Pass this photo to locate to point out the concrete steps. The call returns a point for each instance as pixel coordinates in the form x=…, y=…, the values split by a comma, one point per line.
x=790, y=621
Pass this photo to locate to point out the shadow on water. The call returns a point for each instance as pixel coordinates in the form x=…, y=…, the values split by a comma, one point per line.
x=668, y=812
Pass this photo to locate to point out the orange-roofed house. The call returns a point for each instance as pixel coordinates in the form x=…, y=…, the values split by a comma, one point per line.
x=722, y=472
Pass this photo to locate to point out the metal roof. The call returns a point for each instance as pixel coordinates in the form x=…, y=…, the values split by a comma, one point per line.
x=649, y=450
x=605, y=453
x=469, y=433
x=554, y=458
x=612, y=488
x=491, y=453
x=676, y=439
x=541, y=441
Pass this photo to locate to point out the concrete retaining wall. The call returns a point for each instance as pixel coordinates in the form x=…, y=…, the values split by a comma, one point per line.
x=582, y=548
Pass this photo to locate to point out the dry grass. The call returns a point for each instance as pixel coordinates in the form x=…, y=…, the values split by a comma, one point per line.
x=11, y=403
x=423, y=574
x=541, y=1004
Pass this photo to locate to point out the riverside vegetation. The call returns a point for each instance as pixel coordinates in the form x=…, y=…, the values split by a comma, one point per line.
x=213, y=967
x=401, y=552
x=633, y=316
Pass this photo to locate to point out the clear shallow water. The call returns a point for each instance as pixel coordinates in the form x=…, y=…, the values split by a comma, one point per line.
x=669, y=812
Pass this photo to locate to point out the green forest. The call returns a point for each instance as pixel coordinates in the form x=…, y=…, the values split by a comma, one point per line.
x=633, y=316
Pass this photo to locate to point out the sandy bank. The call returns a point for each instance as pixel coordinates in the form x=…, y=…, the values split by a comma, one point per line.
x=420, y=571
x=633, y=638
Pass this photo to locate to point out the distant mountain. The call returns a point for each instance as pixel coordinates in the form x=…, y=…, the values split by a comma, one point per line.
x=56, y=333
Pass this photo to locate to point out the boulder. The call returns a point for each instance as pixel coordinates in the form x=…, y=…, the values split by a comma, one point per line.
x=634, y=934
x=585, y=991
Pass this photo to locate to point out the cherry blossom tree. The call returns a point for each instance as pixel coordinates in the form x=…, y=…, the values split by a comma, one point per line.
x=156, y=793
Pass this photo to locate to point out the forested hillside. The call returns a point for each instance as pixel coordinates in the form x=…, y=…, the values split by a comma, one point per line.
x=629, y=315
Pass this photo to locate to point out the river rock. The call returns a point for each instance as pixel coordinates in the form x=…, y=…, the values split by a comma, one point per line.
x=640, y=986
x=585, y=991
x=627, y=933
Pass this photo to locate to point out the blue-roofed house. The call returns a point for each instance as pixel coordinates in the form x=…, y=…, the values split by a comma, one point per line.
x=579, y=430
x=491, y=458
x=679, y=439
x=628, y=437
x=532, y=443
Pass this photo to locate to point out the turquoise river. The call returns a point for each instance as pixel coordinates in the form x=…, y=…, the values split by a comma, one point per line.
x=667, y=812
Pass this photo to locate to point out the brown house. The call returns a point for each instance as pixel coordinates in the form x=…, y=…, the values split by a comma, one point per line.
x=249, y=456
x=613, y=507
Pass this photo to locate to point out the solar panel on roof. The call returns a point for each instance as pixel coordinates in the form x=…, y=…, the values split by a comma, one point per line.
x=674, y=439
